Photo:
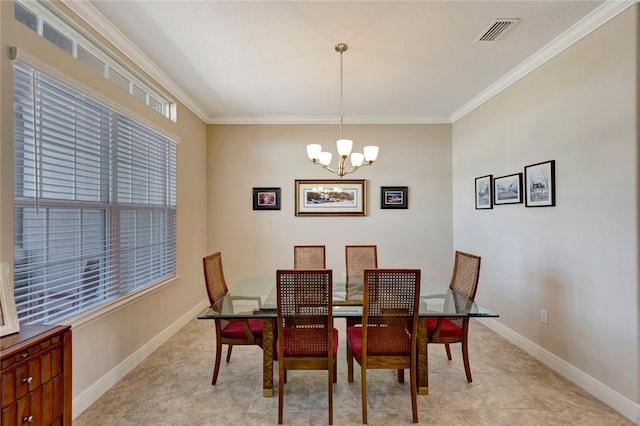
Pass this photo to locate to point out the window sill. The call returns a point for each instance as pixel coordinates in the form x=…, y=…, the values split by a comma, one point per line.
x=90, y=316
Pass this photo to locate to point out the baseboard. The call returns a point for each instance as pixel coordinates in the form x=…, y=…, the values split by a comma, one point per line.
x=95, y=391
x=604, y=393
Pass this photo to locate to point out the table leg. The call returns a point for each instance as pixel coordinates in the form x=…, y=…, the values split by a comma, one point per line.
x=423, y=366
x=267, y=357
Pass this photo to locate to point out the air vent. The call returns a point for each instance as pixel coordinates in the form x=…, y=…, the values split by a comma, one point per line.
x=497, y=29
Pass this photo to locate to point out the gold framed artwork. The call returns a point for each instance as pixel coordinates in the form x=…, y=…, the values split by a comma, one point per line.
x=330, y=197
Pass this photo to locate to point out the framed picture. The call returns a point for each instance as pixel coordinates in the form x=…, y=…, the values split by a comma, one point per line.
x=326, y=197
x=266, y=198
x=507, y=189
x=540, y=184
x=8, y=316
x=393, y=197
x=484, y=200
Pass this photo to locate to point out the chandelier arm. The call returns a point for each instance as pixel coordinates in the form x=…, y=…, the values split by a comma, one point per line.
x=328, y=168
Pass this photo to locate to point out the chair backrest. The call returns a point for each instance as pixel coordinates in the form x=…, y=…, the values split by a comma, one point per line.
x=466, y=272
x=358, y=258
x=390, y=311
x=214, y=277
x=305, y=313
x=309, y=257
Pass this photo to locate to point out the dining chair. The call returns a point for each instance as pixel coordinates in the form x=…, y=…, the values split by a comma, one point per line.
x=307, y=339
x=388, y=336
x=357, y=259
x=309, y=257
x=228, y=332
x=464, y=284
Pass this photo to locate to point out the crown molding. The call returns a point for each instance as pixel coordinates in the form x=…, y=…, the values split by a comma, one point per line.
x=98, y=22
x=86, y=11
x=282, y=119
x=589, y=23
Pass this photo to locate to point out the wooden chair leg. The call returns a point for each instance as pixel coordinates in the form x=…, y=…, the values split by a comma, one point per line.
x=281, y=392
x=413, y=380
x=230, y=348
x=446, y=346
x=332, y=380
x=349, y=364
x=465, y=357
x=216, y=365
x=363, y=380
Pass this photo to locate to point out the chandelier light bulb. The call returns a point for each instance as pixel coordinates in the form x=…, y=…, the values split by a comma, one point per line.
x=313, y=151
x=325, y=158
x=344, y=146
x=371, y=153
x=357, y=159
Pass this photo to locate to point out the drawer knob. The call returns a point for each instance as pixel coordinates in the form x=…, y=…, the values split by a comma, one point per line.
x=29, y=419
x=28, y=380
x=25, y=354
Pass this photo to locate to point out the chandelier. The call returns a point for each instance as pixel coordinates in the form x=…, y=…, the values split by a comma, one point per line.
x=323, y=158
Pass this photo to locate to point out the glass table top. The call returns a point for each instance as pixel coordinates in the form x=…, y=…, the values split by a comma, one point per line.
x=255, y=297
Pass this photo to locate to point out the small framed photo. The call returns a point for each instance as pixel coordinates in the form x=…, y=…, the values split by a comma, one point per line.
x=266, y=198
x=8, y=315
x=540, y=184
x=393, y=197
x=330, y=197
x=507, y=189
x=484, y=200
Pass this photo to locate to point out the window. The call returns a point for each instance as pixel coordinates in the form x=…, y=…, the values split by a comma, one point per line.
x=94, y=199
x=47, y=22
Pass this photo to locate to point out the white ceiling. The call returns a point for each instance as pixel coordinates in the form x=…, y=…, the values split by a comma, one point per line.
x=274, y=61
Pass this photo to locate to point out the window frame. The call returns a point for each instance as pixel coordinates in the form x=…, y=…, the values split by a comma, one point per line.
x=113, y=211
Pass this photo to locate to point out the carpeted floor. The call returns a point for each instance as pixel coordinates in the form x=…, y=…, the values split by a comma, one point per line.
x=173, y=387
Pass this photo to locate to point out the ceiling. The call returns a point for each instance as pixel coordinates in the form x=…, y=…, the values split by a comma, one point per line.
x=274, y=61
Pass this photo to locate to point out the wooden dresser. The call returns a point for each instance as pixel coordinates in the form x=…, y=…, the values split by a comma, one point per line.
x=36, y=376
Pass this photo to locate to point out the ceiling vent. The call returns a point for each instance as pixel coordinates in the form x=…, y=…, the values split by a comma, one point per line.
x=497, y=29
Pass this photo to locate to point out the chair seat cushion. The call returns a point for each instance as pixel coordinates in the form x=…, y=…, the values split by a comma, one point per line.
x=235, y=329
x=388, y=341
x=447, y=328
x=307, y=342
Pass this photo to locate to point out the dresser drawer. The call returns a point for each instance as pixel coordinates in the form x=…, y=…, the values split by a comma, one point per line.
x=43, y=406
x=29, y=351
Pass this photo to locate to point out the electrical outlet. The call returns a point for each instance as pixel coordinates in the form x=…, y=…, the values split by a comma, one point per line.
x=544, y=316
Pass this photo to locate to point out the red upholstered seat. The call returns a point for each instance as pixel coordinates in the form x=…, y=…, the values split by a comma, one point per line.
x=235, y=329
x=447, y=328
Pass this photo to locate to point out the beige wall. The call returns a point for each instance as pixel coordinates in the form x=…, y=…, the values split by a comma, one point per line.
x=100, y=347
x=258, y=242
x=578, y=260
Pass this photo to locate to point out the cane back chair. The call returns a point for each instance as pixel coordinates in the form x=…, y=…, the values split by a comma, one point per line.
x=307, y=339
x=464, y=284
x=388, y=336
x=228, y=332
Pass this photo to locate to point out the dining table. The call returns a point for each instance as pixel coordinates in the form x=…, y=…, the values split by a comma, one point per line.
x=255, y=297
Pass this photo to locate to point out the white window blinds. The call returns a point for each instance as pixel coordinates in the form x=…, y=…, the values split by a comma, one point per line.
x=95, y=201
